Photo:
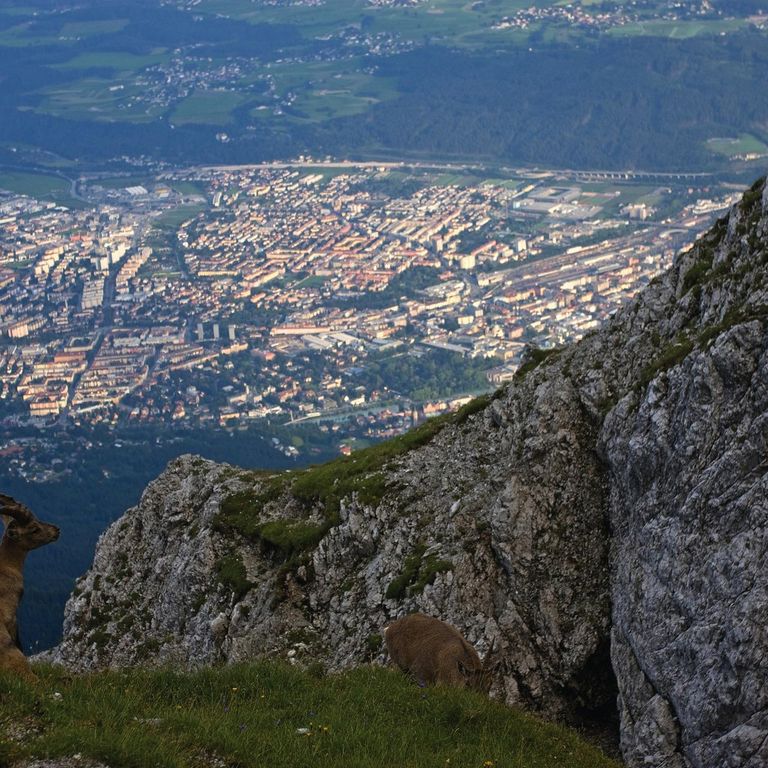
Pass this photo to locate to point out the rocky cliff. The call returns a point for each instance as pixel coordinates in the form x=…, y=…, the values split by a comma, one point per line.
x=602, y=520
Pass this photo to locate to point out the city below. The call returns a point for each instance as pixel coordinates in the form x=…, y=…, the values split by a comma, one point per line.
x=356, y=299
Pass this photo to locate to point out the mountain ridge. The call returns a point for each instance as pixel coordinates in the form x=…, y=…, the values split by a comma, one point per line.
x=600, y=520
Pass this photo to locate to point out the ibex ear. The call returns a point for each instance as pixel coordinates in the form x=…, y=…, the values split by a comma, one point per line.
x=10, y=508
x=490, y=653
x=493, y=659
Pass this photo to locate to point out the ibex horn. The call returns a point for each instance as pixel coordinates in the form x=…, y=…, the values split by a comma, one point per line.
x=12, y=508
x=489, y=655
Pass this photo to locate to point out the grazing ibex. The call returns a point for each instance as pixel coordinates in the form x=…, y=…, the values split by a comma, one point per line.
x=23, y=532
x=435, y=653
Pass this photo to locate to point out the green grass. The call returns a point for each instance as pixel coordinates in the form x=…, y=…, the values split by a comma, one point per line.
x=418, y=571
x=174, y=218
x=20, y=37
x=536, y=357
x=745, y=144
x=327, y=484
x=313, y=281
x=292, y=537
x=230, y=571
x=89, y=28
x=93, y=98
x=255, y=715
x=732, y=318
x=19, y=10
x=670, y=356
x=119, y=60
x=188, y=187
x=209, y=107
x=678, y=30
x=325, y=90
x=360, y=472
x=698, y=271
x=34, y=184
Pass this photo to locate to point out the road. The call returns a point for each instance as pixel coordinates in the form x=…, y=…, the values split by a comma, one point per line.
x=524, y=172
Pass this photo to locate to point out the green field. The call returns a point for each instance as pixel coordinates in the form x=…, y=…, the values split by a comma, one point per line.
x=118, y=60
x=211, y=107
x=457, y=21
x=121, y=182
x=20, y=36
x=89, y=28
x=313, y=281
x=743, y=145
x=18, y=10
x=188, y=187
x=97, y=99
x=678, y=30
x=325, y=90
x=34, y=185
x=274, y=715
x=174, y=218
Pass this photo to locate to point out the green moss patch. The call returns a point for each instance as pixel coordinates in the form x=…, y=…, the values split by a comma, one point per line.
x=230, y=571
x=670, y=356
x=291, y=537
x=534, y=359
x=731, y=319
x=326, y=485
x=418, y=571
x=698, y=271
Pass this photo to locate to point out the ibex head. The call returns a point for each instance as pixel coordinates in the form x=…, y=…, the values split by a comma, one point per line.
x=22, y=528
x=481, y=678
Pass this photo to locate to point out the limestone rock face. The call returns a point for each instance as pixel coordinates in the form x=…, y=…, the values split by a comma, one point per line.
x=688, y=473
x=603, y=515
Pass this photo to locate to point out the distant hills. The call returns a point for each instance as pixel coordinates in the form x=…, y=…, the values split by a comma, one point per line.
x=94, y=84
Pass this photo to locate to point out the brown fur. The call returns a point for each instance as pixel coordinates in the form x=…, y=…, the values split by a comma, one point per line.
x=23, y=532
x=435, y=653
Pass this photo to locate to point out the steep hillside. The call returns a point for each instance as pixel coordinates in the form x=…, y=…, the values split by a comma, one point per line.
x=268, y=714
x=603, y=515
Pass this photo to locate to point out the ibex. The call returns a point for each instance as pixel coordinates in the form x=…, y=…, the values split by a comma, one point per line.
x=23, y=532
x=435, y=653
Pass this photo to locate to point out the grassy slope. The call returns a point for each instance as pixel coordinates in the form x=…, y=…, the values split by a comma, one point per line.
x=251, y=716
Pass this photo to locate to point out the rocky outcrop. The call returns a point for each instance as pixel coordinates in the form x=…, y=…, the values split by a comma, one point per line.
x=604, y=513
x=688, y=472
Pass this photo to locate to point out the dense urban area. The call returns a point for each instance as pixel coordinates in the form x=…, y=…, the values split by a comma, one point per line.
x=357, y=298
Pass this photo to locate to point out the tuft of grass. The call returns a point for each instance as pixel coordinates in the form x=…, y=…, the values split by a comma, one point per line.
x=753, y=195
x=373, y=644
x=360, y=472
x=417, y=572
x=731, y=318
x=698, y=271
x=230, y=571
x=327, y=484
x=291, y=537
x=670, y=356
x=241, y=511
x=276, y=715
x=535, y=358
x=431, y=566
